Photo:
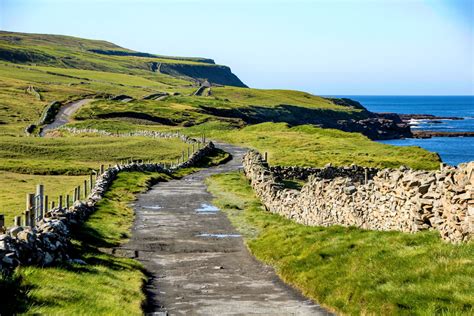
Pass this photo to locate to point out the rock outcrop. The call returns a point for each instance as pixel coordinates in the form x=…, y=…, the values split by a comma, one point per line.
x=213, y=73
x=388, y=199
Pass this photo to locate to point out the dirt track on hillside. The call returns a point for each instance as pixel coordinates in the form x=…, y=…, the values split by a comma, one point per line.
x=64, y=115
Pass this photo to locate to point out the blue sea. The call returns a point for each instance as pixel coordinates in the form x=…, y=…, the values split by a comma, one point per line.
x=453, y=150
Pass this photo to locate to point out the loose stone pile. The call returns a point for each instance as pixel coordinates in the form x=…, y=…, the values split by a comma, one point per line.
x=392, y=199
x=48, y=242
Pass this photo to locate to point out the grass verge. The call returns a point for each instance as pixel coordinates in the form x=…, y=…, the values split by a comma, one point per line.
x=106, y=284
x=350, y=270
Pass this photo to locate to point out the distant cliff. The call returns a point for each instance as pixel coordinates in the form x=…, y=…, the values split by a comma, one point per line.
x=213, y=73
x=78, y=53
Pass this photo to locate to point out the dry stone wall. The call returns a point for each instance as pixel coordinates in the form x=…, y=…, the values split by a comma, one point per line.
x=356, y=173
x=151, y=134
x=48, y=242
x=392, y=199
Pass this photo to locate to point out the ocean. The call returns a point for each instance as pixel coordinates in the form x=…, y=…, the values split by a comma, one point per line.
x=452, y=150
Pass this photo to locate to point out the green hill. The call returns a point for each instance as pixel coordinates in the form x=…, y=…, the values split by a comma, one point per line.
x=190, y=94
x=71, y=52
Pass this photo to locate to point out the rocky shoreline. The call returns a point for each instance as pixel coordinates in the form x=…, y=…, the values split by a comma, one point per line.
x=409, y=117
x=407, y=120
x=429, y=134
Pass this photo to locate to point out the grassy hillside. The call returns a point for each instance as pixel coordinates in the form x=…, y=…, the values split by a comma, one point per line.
x=307, y=145
x=75, y=155
x=72, y=52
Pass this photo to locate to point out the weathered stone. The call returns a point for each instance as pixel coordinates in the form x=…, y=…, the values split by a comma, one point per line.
x=405, y=200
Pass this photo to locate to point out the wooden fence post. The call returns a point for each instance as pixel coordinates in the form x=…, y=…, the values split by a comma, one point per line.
x=45, y=208
x=17, y=221
x=2, y=220
x=90, y=180
x=27, y=218
x=39, y=201
x=60, y=201
x=78, y=193
x=67, y=201
x=266, y=157
x=101, y=169
x=52, y=205
x=30, y=206
x=366, y=176
x=85, y=188
x=189, y=154
x=182, y=155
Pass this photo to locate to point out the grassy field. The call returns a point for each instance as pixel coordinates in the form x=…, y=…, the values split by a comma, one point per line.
x=14, y=187
x=303, y=145
x=62, y=163
x=18, y=108
x=312, y=146
x=79, y=154
x=354, y=271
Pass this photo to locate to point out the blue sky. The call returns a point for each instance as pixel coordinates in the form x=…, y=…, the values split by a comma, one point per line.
x=324, y=47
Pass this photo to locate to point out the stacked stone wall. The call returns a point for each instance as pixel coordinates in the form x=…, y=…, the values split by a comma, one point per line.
x=391, y=199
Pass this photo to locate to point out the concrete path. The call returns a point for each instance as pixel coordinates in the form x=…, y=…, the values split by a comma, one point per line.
x=197, y=261
x=64, y=115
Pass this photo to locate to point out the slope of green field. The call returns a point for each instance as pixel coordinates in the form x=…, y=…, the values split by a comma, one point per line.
x=71, y=52
x=307, y=145
x=76, y=155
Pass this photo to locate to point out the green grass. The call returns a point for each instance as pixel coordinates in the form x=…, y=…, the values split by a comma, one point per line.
x=18, y=109
x=303, y=145
x=238, y=106
x=111, y=225
x=107, y=285
x=306, y=145
x=354, y=271
x=166, y=112
x=77, y=155
x=14, y=187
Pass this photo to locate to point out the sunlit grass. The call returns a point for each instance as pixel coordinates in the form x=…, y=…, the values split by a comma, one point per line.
x=350, y=270
x=79, y=154
x=306, y=145
x=14, y=187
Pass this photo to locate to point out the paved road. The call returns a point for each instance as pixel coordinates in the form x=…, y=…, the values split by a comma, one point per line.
x=64, y=114
x=197, y=261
